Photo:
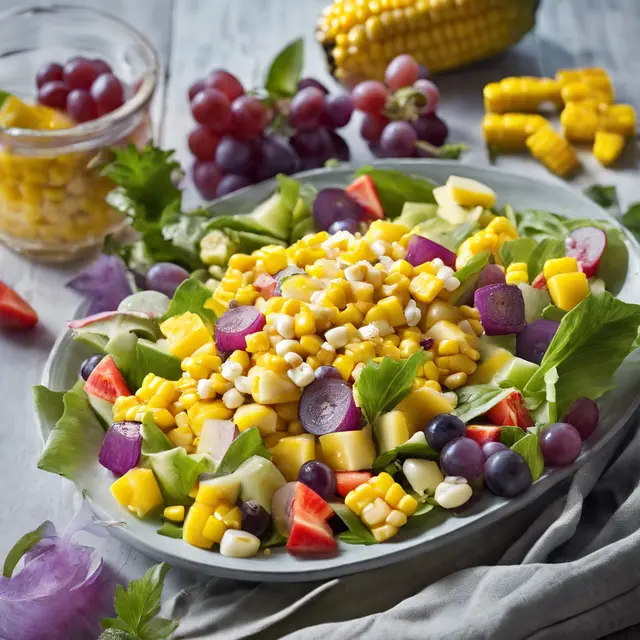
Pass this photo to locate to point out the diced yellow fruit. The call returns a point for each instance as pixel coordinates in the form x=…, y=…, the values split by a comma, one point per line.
x=486, y=371
x=256, y=415
x=214, y=529
x=218, y=490
x=385, y=230
x=344, y=364
x=291, y=453
x=273, y=388
x=174, y=514
x=471, y=193
x=185, y=333
x=287, y=411
x=258, y=341
x=445, y=330
x=384, y=532
x=272, y=439
x=568, y=289
x=391, y=430
x=122, y=491
x=194, y=525
x=425, y=287
x=207, y=410
x=555, y=266
x=421, y=405
x=233, y=518
x=348, y=450
x=144, y=495
x=393, y=310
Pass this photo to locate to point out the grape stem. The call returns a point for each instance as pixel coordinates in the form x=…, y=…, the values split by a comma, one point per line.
x=405, y=104
x=446, y=151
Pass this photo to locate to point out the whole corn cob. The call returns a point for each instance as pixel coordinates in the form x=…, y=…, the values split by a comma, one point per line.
x=361, y=37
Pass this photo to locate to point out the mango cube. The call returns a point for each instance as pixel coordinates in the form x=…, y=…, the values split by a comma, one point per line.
x=421, y=405
x=256, y=415
x=425, y=287
x=291, y=453
x=568, y=289
x=269, y=387
x=348, y=450
x=471, y=193
x=197, y=518
x=391, y=430
x=559, y=265
x=138, y=491
x=185, y=333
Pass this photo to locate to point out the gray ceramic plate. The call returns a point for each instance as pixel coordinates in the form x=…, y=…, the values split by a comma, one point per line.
x=616, y=408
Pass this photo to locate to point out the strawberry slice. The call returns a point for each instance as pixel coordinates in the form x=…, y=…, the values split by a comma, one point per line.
x=363, y=191
x=511, y=412
x=349, y=480
x=586, y=245
x=310, y=537
x=308, y=504
x=15, y=312
x=106, y=381
x=483, y=433
x=539, y=282
x=266, y=285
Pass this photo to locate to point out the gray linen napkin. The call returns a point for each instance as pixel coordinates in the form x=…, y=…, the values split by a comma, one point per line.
x=566, y=567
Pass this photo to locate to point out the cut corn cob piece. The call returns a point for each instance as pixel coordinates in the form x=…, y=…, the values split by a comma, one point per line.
x=608, y=147
x=509, y=131
x=524, y=93
x=553, y=151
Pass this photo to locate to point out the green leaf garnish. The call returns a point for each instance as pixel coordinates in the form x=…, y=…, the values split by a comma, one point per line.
x=274, y=539
x=285, y=70
x=605, y=196
x=171, y=530
x=551, y=312
x=545, y=250
x=475, y=400
x=519, y=250
x=529, y=448
x=25, y=544
x=381, y=386
x=631, y=219
x=357, y=533
x=510, y=435
x=249, y=443
x=191, y=296
x=407, y=450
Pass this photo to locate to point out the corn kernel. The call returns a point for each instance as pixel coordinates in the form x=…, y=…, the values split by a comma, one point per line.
x=242, y=358
x=408, y=348
x=431, y=370
x=344, y=364
x=304, y=324
x=174, y=514
x=425, y=287
x=433, y=384
x=311, y=344
x=233, y=519
x=448, y=348
x=455, y=380
x=194, y=524
x=362, y=352
x=396, y=518
x=384, y=532
x=220, y=386
x=350, y=315
x=375, y=314
x=376, y=512
x=393, y=310
x=295, y=428
x=382, y=483
x=469, y=312
x=258, y=341
x=408, y=505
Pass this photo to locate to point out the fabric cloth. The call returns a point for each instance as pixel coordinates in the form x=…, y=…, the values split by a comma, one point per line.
x=566, y=567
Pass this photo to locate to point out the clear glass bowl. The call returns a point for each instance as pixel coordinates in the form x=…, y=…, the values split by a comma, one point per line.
x=52, y=202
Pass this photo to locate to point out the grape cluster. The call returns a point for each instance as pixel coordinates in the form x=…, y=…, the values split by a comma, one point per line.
x=85, y=89
x=399, y=116
x=240, y=139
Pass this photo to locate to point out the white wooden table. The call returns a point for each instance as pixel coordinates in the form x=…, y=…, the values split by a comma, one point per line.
x=195, y=36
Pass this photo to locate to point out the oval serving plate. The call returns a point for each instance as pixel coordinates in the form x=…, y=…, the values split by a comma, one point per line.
x=616, y=407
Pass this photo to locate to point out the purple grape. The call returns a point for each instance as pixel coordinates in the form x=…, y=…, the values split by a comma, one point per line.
x=507, y=474
x=489, y=448
x=90, y=364
x=344, y=225
x=81, y=106
x=54, y=95
x=340, y=147
x=331, y=205
x=319, y=477
x=255, y=518
x=166, y=277
x=462, y=457
x=206, y=177
x=276, y=156
x=306, y=108
x=372, y=126
x=402, y=71
x=235, y=156
x=327, y=371
x=442, y=429
x=313, y=144
x=312, y=82
x=431, y=129
x=398, y=140
x=583, y=414
x=230, y=183
x=430, y=92
x=337, y=110
x=560, y=444
x=49, y=72
x=534, y=340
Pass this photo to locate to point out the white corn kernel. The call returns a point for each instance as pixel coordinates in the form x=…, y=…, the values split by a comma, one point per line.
x=386, y=262
x=437, y=262
x=399, y=250
x=369, y=332
x=380, y=247
x=424, y=476
x=337, y=337
x=293, y=359
x=444, y=273
x=384, y=328
x=239, y=544
x=412, y=314
x=325, y=346
x=464, y=326
x=357, y=370
x=275, y=340
x=376, y=512
x=232, y=399
x=284, y=326
x=329, y=267
x=302, y=376
x=205, y=389
x=243, y=384
x=357, y=272
x=451, y=284
x=286, y=346
x=396, y=518
x=230, y=370
x=452, y=493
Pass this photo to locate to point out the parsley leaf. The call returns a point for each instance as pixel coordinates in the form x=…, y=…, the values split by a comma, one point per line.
x=381, y=386
x=191, y=295
x=137, y=608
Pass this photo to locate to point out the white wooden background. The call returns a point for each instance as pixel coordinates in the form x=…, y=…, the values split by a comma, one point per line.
x=194, y=36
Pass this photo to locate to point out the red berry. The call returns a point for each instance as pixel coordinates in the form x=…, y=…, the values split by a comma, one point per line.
x=402, y=71
x=107, y=93
x=211, y=108
x=206, y=177
x=195, y=89
x=370, y=96
x=101, y=66
x=248, y=117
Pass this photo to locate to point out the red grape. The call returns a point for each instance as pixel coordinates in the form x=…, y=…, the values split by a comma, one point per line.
x=583, y=414
x=402, y=71
x=430, y=92
x=398, y=140
x=225, y=82
x=79, y=73
x=101, y=66
x=206, y=177
x=431, y=129
x=372, y=126
x=249, y=117
x=560, y=444
x=277, y=156
x=306, y=109
x=195, y=89
x=54, y=94
x=312, y=82
x=81, y=106
x=107, y=93
x=231, y=182
x=235, y=156
x=370, y=96
x=212, y=108
x=49, y=72
x=202, y=142
x=337, y=110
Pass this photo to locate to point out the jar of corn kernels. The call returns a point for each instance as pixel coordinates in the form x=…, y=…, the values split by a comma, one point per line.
x=52, y=193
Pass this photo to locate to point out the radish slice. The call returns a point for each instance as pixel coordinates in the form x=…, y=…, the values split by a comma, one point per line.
x=234, y=325
x=327, y=406
x=282, y=508
x=501, y=308
x=421, y=250
x=120, y=451
x=586, y=245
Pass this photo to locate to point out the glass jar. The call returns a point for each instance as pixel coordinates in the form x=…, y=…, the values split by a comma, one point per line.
x=52, y=196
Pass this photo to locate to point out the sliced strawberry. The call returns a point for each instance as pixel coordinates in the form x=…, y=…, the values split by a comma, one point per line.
x=308, y=504
x=106, y=381
x=266, y=285
x=539, y=282
x=15, y=312
x=483, y=433
x=511, y=412
x=310, y=536
x=586, y=245
x=363, y=191
x=349, y=480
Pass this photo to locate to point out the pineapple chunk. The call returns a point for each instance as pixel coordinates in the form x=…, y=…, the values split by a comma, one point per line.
x=185, y=333
x=272, y=388
x=348, y=450
x=256, y=415
x=471, y=193
x=568, y=289
x=421, y=405
x=291, y=453
x=391, y=430
x=138, y=491
x=216, y=490
x=194, y=525
x=300, y=287
x=445, y=330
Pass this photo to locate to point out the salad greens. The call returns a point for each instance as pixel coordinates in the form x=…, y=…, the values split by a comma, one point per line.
x=410, y=449
x=191, y=296
x=356, y=532
x=249, y=443
x=510, y=435
x=605, y=196
x=529, y=448
x=476, y=400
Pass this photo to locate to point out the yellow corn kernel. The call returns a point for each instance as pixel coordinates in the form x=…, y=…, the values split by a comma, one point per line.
x=313, y=362
x=618, y=118
x=448, y=348
x=393, y=310
x=350, y=315
x=376, y=512
x=185, y=333
x=143, y=494
x=242, y=358
x=555, y=266
x=174, y=514
x=433, y=384
x=579, y=122
x=122, y=405
x=402, y=267
x=425, y=287
x=455, y=380
x=360, y=497
x=362, y=352
x=553, y=151
x=276, y=363
x=460, y=362
x=325, y=356
x=246, y=296
x=311, y=344
x=194, y=524
x=607, y=147
x=382, y=483
x=182, y=420
x=384, y=532
x=274, y=305
x=304, y=324
x=431, y=370
x=473, y=354
x=568, y=289
x=385, y=230
x=256, y=415
x=362, y=293
x=233, y=519
x=258, y=341
x=345, y=365
x=408, y=505
x=241, y=262
x=214, y=529
x=396, y=518
x=204, y=410
x=408, y=348
x=374, y=315
x=394, y=495
x=274, y=259
x=418, y=382
x=219, y=384
x=517, y=277
x=388, y=350
x=180, y=438
x=291, y=307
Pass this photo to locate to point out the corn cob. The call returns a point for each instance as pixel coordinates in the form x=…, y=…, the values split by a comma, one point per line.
x=510, y=131
x=361, y=37
x=553, y=151
x=524, y=93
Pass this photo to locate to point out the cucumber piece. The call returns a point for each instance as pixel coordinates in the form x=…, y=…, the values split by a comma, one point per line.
x=103, y=409
x=535, y=302
x=516, y=373
x=259, y=480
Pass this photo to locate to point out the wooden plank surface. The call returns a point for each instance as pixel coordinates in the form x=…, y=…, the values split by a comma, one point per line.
x=195, y=36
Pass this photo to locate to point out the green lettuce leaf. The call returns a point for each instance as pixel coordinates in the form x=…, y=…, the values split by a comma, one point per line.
x=605, y=196
x=468, y=276
x=519, y=250
x=510, y=435
x=381, y=386
x=592, y=341
x=357, y=533
x=475, y=400
x=409, y=449
x=249, y=443
x=171, y=530
x=551, y=312
x=529, y=448
x=547, y=249
x=541, y=225
x=153, y=439
x=191, y=295
x=631, y=219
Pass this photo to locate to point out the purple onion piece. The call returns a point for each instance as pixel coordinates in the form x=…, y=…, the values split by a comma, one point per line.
x=327, y=406
x=427, y=343
x=534, y=340
x=501, y=308
x=234, y=325
x=421, y=250
x=120, y=450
